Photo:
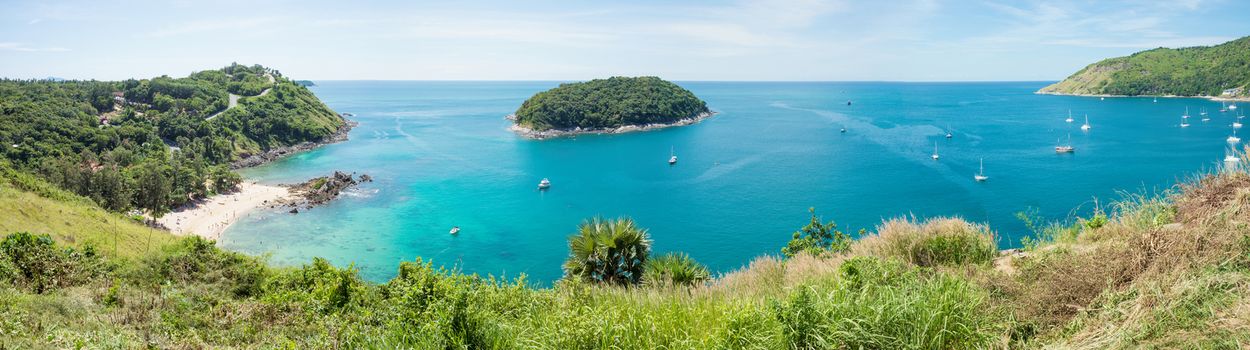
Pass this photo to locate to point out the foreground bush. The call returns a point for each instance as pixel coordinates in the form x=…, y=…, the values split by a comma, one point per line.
x=674, y=269
x=608, y=251
x=35, y=263
x=931, y=243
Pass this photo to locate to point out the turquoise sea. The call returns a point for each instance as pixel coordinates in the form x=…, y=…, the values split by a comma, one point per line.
x=442, y=156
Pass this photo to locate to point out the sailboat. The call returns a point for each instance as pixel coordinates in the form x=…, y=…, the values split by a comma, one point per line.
x=1203, y=111
x=672, y=157
x=1086, y=126
x=1184, y=123
x=1232, y=107
x=1156, y=100
x=1069, y=116
x=1231, y=156
x=1186, y=115
x=1234, y=138
x=1065, y=148
x=1223, y=107
x=544, y=184
x=948, y=132
x=935, y=154
x=980, y=177
x=1236, y=124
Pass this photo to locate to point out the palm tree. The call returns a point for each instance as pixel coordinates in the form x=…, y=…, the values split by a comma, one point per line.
x=674, y=269
x=608, y=251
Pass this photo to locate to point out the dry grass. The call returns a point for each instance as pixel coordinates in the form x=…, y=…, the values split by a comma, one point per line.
x=933, y=242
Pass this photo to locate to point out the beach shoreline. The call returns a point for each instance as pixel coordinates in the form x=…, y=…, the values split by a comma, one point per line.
x=210, y=217
x=554, y=133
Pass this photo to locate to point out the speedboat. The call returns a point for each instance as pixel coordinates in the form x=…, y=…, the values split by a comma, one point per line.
x=455, y=230
x=544, y=184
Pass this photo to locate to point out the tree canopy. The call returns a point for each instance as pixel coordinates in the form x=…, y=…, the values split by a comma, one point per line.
x=609, y=103
x=154, y=143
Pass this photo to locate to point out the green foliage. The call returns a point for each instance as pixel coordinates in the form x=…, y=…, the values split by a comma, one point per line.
x=608, y=251
x=196, y=260
x=158, y=148
x=879, y=304
x=33, y=262
x=817, y=238
x=1190, y=71
x=674, y=269
x=609, y=103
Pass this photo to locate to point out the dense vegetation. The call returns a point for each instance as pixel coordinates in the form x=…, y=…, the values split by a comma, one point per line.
x=609, y=103
x=1191, y=71
x=153, y=144
x=1150, y=272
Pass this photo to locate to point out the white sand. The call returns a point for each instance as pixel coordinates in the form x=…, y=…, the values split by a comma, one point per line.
x=211, y=217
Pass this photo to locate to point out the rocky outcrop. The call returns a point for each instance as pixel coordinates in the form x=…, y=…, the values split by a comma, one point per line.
x=320, y=190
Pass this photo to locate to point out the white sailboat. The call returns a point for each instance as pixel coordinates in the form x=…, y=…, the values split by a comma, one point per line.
x=1156, y=100
x=1232, y=107
x=1202, y=111
x=948, y=132
x=1231, y=157
x=1223, y=107
x=1184, y=122
x=1086, y=126
x=1065, y=148
x=1236, y=125
x=672, y=157
x=935, y=154
x=980, y=177
x=1186, y=115
x=1234, y=138
x=1069, y=120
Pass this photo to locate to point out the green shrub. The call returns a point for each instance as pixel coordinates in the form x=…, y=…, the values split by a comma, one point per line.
x=674, y=269
x=817, y=238
x=35, y=263
x=197, y=260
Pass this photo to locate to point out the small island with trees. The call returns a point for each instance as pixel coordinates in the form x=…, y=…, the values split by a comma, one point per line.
x=608, y=106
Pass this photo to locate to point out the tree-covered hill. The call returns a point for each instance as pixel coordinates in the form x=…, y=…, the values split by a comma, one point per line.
x=1190, y=71
x=154, y=143
x=609, y=103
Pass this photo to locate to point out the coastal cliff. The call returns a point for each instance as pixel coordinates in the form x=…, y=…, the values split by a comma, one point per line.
x=1221, y=71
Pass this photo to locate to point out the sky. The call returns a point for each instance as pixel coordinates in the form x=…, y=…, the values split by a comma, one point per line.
x=774, y=40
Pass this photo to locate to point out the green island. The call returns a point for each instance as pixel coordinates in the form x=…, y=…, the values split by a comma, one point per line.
x=613, y=105
x=155, y=144
x=1211, y=71
x=1165, y=271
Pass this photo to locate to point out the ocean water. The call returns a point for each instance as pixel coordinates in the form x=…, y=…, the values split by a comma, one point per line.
x=442, y=156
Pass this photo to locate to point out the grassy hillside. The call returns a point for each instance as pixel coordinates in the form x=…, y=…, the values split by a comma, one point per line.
x=31, y=205
x=1158, y=272
x=1191, y=71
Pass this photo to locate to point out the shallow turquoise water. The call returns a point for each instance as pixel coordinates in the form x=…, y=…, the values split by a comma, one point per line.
x=442, y=157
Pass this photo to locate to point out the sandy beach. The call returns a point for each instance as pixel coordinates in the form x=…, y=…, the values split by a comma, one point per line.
x=211, y=217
